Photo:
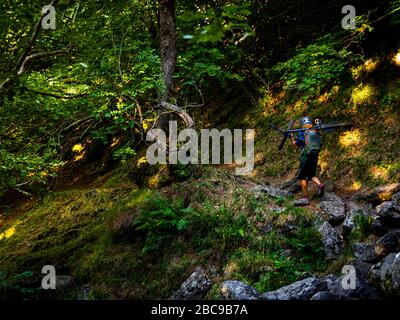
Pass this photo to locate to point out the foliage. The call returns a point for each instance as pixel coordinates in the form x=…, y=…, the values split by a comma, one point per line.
x=161, y=221
x=312, y=68
x=14, y=283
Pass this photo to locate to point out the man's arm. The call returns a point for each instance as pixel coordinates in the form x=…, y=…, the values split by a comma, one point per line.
x=294, y=141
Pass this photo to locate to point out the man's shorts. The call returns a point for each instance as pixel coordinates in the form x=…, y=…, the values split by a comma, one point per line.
x=308, y=165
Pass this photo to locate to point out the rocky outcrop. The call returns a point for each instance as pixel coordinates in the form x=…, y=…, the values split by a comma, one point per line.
x=334, y=207
x=378, y=227
x=378, y=195
x=236, y=290
x=389, y=243
x=396, y=198
x=365, y=252
x=331, y=240
x=389, y=212
x=362, y=290
x=386, y=275
x=301, y=202
x=300, y=290
x=272, y=191
x=194, y=287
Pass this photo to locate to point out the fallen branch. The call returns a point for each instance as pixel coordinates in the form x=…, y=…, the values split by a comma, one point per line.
x=76, y=123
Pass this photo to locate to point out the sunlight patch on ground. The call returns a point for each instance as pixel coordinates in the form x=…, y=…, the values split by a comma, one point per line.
x=396, y=59
x=371, y=64
x=356, y=186
x=379, y=172
x=362, y=94
x=269, y=99
x=323, y=162
x=350, y=138
x=8, y=233
x=230, y=269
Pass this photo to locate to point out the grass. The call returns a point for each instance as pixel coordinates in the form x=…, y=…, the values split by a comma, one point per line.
x=142, y=244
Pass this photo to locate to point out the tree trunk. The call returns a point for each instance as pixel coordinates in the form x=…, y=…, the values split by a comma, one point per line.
x=167, y=46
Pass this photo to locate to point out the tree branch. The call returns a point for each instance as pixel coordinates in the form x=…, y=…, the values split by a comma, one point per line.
x=179, y=112
x=55, y=95
x=25, y=57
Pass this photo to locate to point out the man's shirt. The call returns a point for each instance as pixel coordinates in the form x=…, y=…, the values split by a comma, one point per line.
x=301, y=140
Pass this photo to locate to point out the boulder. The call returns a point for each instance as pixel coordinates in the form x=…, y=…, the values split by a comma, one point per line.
x=330, y=239
x=389, y=212
x=389, y=243
x=386, y=275
x=379, y=195
x=362, y=268
x=272, y=191
x=301, y=202
x=291, y=186
x=194, y=287
x=396, y=198
x=300, y=290
x=378, y=227
x=333, y=197
x=323, y=295
x=64, y=282
x=334, y=207
x=362, y=290
x=365, y=252
x=236, y=290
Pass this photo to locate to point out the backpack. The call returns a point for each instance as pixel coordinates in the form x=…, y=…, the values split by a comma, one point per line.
x=312, y=141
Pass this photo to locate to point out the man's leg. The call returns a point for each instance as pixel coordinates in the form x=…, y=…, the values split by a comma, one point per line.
x=321, y=186
x=304, y=187
x=316, y=180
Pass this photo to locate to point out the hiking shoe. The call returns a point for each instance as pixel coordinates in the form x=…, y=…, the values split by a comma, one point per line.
x=321, y=190
x=302, y=202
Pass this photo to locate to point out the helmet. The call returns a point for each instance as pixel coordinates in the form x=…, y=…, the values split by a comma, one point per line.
x=305, y=120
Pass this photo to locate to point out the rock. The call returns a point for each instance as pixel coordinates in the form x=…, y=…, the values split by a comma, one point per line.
x=386, y=275
x=84, y=293
x=323, y=295
x=362, y=268
x=362, y=291
x=236, y=290
x=379, y=195
x=292, y=186
x=64, y=282
x=300, y=290
x=334, y=207
x=274, y=192
x=365, y=252
x=389, y=211
x=378, y=227
x=389, y=243
x=330, y=239
x=301, y=202
x=396, y=198
x=332, y=197
x=194, y=287
x=353, y=210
